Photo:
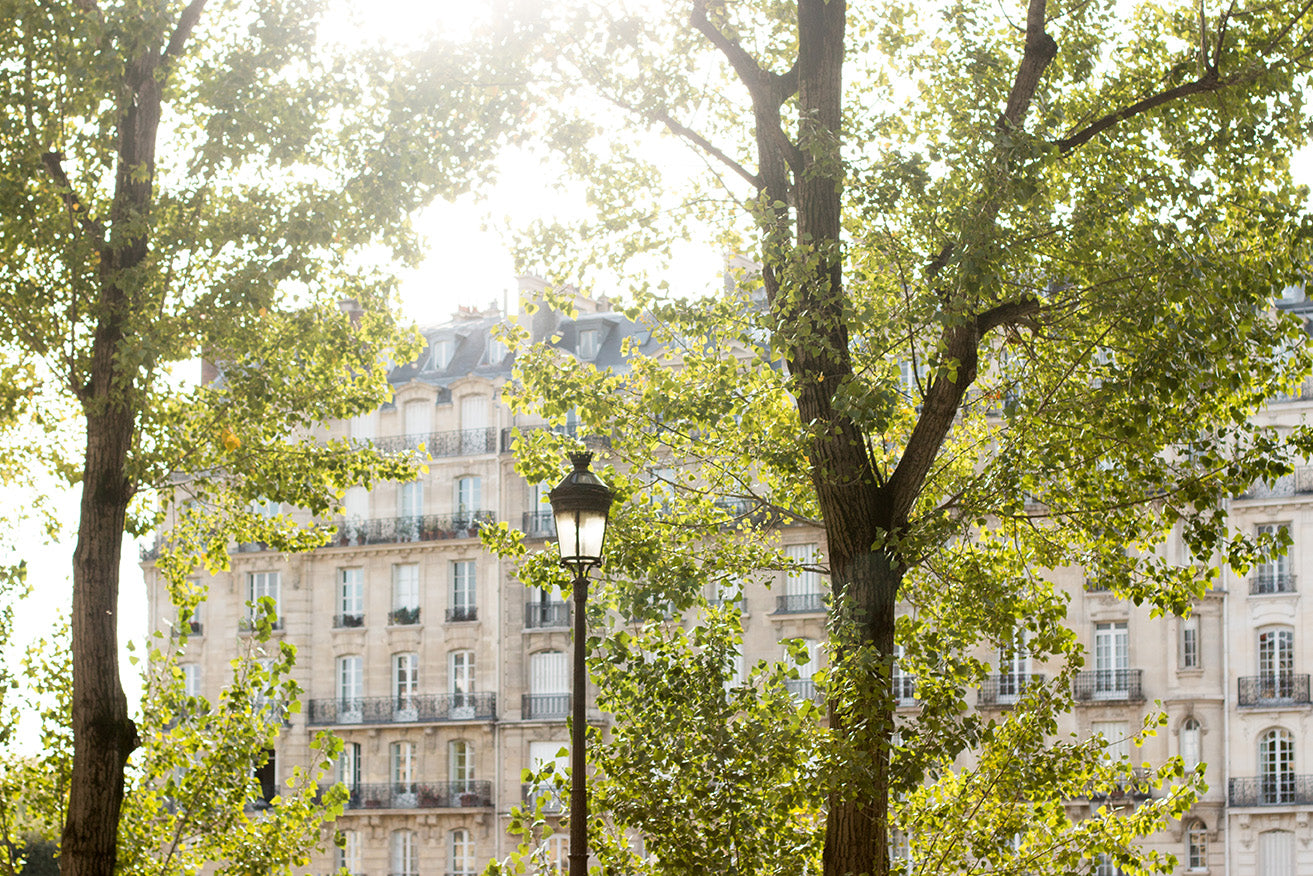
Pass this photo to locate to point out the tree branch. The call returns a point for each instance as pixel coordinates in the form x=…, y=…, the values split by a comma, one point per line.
x=1205, y=84
x=706, y=146
x=186, y=22
x=1039, y=53
x=54, y=165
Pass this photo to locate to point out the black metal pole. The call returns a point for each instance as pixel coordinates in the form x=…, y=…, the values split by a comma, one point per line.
x=578, y=733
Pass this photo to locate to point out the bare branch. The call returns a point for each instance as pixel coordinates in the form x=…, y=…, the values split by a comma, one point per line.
x=706, y=146
x=54, y=165
x=186, y=22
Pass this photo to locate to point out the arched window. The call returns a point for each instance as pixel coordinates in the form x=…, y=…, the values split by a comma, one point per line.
x=460, y=678
x=1191, y=737
x=462, y=852
x=1276, y=663
x=1196, y=846
x=1276, y=764
x=404, y=851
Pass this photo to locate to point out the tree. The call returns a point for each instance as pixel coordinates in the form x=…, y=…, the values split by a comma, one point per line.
x=1017, y=265
x=192, y=179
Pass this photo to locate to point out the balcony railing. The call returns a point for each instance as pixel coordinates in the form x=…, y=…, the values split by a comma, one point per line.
x=464, y=613
x=1272, y=582
x=590, y=441
x=546, y=615
x=544, y=707
x=417, y=708
x=1274, y=690
x=800, y=603
x=539, y=524
x=1005, y=689
x=804, y=689
x=404, y=617
x=1137, y=786
x=248, y=625
x=421, y=795
x=1297, y=483
x=552, y=797
x=397, y=530
x=1282, y=789
x=1108, y=685
x=348, y=621
x=460, y=442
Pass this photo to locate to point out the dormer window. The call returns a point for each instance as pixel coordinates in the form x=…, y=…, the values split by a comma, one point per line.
x=590, y=342
x=441, y=357
x=496, y=351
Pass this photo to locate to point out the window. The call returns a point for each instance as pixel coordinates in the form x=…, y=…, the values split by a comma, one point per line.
x=1276, y=663
x=1196, y=846
x=802, y=586
x=410, y=499
x=734, y=666
x=266, y=774
x=496, y=350
x=474, y=436
x=1013, y=667
x=348, y=767
x=463, y=588
x=468, y=496
x=401, y=767
x=462, y=853
x=1276, y=763
x=590, y=342
x=265, y=508
x=900, y=852
x=404, y=853
x=260, y=585
x=1116, y=739
x=191, y=679
x=1111, y=661
x=364, y=428
x=348, y=854
x=1104, y=865
x=405, y=594
x=1189, y=645
x=1191, y=737
x=460, y=759
x=1273, y=575
x=460, y=676
x=804, y=687
x=350, y=598
x=417, y=420
x=441, y=356
x=546, y=608
x=549, y=686
x=356, y=505
x=405, y=686
x=904, y=683
x=350, y=688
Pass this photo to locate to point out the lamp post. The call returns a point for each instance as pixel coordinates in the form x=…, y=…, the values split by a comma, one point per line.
x=580, y=504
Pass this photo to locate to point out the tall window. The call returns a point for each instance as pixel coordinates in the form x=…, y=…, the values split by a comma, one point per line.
x=590, y=342
x=463, y=590
x=1191, y=743
x=410, y=499
x=474, y=436
x=1116, y=739
x=405, y=686
x=350, y=688
x=364, y=427
x=1276, y=663
x=1104, y=865
x=461, y=852
x=404, y=853
x=417, y=419
x=348, y=767
x=1276, y=764
x=350, y=598
x=348, y=854
x=460, y=759
x=467, y=495
x=1013, y=667
x=460, y=678
x=441, y=357
x=549, y=685
x=904, y=682
x=401, y=761
x=405, y=594
x=900, y=852
x=191, y=679
x=802, y=586
x=1189, y=648
x=1273, y=576
x=804, y=687
x=1111, y=661
x=264, y=584
x=1196, y=846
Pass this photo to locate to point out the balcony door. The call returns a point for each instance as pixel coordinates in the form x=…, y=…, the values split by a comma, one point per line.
x=405, y=687
x=402, y=757
x=1276, y=763
x=1276, y=664
x=474, y=424
x=350, y=689
x=460, y=674
x=1013, y=667
x=1276, y=853
x=549, y=684
x=1111, y=661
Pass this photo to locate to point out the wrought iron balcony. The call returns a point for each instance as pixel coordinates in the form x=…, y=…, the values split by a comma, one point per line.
x=398, y=530
x=248, y=625
x=1138, y=786
x=460, y=442
x=546, y=615
x=414, y=709
x=348, y=621
x=804, y=689
x=590, y=441
x=1274, y=690
x=1108, y=685
x=420, y=795
x=539, y=524
x=196, y=627
x=465, y=613
x=1281, y=789
x=552, y=797
x=545, y=707
x=404, y=617
x=1005, y=689
x=800, y=603
x=1272, y=582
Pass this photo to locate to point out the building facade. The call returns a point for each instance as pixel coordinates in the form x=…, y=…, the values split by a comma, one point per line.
x=446, y=678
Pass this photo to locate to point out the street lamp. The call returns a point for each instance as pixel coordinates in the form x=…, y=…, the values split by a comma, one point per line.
x=580, y=504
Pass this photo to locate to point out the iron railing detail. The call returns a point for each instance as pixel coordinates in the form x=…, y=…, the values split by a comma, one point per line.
x=1108, y=685
x=404, y=617
x=544, y=707
x=1006, y=688
x=466, y=613
x=1274, y=690
x=800, y=603
x=413, y=709
x=546, y=615
x=1279, y=789
x=552, y=797
x=590, y=441
x=539, y=524
x=348, y=621
x=397, y=530
x=420, y=795
x=1137, y=786
x=1272, y=582
x=459, y=442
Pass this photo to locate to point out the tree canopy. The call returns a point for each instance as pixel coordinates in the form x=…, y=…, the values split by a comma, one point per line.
x=1013, y=315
